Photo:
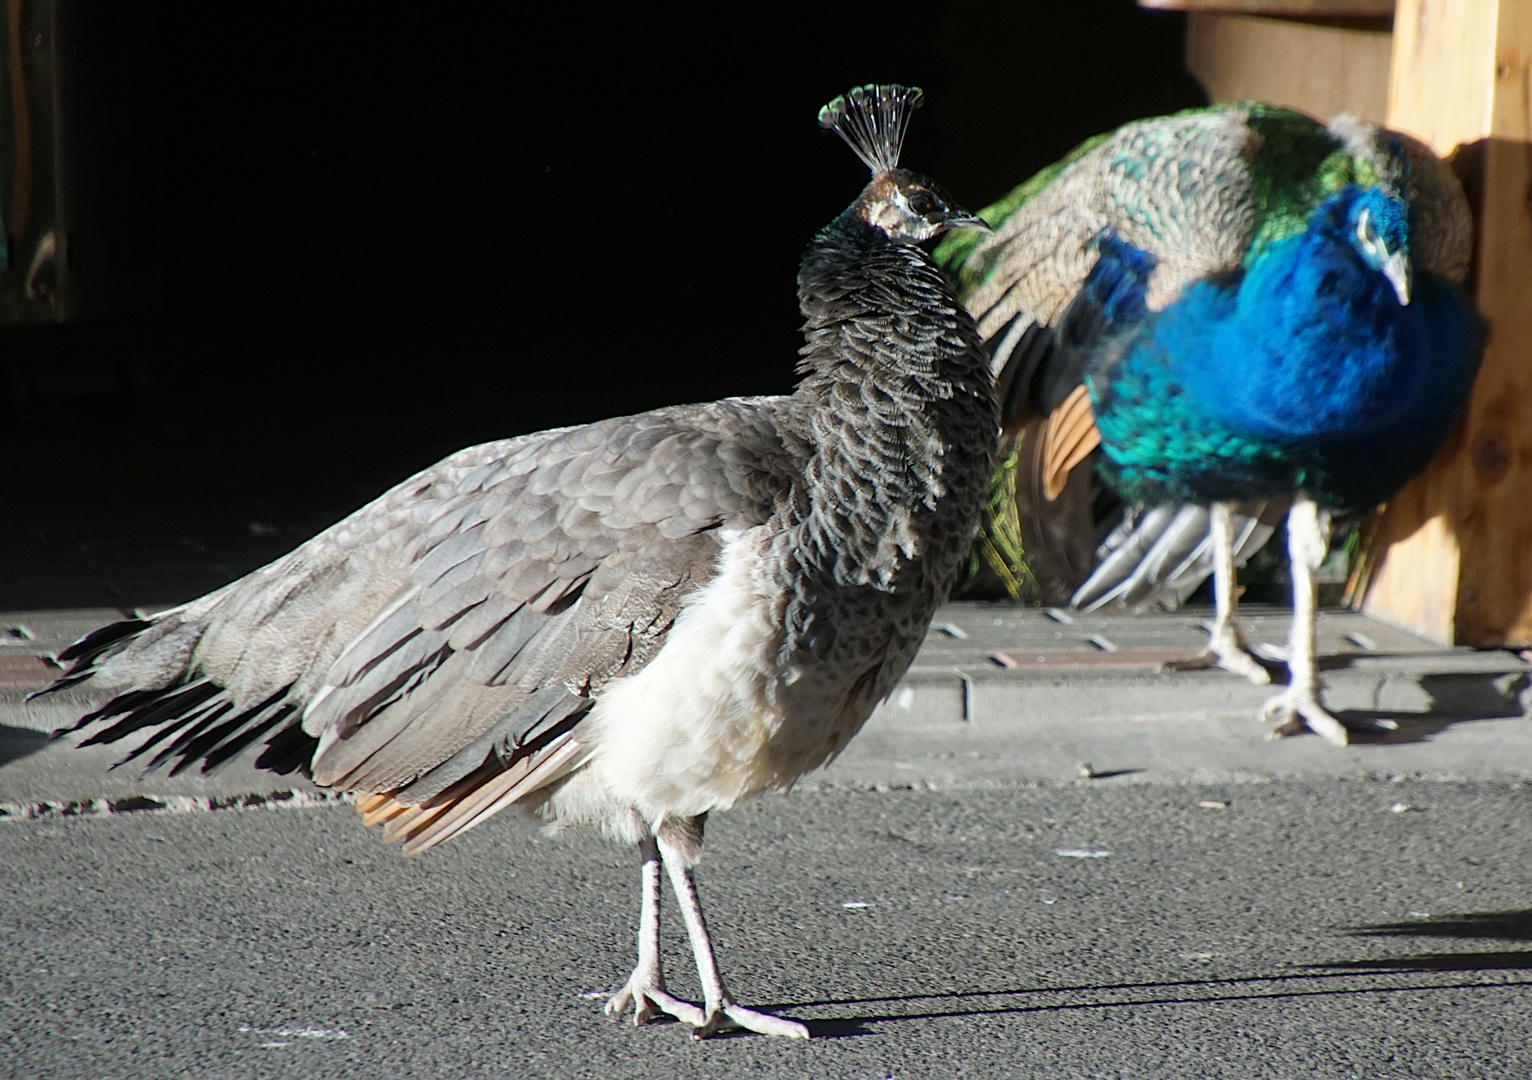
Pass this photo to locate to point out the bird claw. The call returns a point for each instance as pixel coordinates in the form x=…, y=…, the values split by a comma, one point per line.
x=730, y=1017
x=1231, y=656
x=1297, y=710
x=646, y=995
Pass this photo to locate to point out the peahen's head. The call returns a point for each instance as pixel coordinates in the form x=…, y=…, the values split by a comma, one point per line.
x=1377, y=225
x=903, y=205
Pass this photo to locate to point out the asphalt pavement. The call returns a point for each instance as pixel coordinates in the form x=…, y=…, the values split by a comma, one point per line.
x=1105, y=928
x=1044, y=857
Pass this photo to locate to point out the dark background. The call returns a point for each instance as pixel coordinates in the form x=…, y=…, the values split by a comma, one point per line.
x=380, y=236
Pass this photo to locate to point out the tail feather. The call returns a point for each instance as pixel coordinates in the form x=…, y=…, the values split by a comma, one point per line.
x=232, y=746
x=187, y=718
x=93, y=644
x=146, y=708
x=1164, y=553
x=83, y=654
x=288, y=751
x=196, y=747
x=187, y=732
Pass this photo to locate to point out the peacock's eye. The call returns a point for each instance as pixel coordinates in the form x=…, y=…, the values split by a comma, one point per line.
x=1366, y=235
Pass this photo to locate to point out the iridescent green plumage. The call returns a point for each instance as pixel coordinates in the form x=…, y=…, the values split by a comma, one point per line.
x=1207, y=192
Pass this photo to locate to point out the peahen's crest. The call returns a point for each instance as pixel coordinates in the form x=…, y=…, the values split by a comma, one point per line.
x=872, y=119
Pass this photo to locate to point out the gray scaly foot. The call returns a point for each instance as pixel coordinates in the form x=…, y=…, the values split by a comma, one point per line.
x=1297, y=709
x=1226, y=646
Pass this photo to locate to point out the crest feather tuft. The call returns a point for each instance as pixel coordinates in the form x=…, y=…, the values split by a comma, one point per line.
x=872, y=119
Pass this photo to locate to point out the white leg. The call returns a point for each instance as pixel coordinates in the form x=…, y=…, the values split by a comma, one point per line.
x=1226, y=646
x=645, y=990
x=722, y=1013
x=1297, y=707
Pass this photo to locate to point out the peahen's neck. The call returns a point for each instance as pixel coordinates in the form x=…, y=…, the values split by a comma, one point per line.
x=1312, y=343
x=900, y=404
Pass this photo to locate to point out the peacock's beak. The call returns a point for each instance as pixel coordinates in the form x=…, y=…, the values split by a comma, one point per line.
x=1400, y=275
x=962, y=219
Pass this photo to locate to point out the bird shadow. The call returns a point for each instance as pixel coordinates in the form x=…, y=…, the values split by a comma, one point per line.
x=1493, y=925
x=1333, y=979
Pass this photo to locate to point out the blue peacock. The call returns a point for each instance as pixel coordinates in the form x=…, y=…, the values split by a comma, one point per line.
x=1234, y=312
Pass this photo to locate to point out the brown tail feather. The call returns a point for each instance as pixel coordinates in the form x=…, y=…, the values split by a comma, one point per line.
x=384, y=811
x=495, y=794
x=368, y=803
x=471, y=800
x=1070, y=438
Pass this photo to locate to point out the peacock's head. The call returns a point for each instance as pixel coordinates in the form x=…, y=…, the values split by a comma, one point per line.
x=904, y=206
x=909, y=208
x=1378, y=226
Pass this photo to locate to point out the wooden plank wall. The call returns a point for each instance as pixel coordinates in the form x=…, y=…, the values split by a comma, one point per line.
x=1454, y=550
x=1321, y=70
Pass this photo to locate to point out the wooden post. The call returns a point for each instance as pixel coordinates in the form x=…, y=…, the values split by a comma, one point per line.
x=1454, y=549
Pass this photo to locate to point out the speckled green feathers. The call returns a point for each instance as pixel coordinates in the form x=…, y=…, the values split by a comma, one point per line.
x=1298, y=164
x=1291, y=164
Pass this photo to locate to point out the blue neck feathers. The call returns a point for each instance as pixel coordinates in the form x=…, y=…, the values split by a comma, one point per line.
x=1311, y=343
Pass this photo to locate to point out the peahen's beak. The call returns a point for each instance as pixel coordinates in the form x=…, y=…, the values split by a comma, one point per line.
x=1400, y=275
x=962, y=219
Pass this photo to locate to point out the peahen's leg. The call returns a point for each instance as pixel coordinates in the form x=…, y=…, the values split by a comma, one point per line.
x=722, y=1013
x=1297, y=707
x=645, y=990
x=1226, y=646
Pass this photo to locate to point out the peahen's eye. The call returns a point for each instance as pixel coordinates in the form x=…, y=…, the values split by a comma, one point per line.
x=921, y=203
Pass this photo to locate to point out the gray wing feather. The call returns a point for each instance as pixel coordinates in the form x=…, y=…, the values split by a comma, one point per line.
x=480, y=604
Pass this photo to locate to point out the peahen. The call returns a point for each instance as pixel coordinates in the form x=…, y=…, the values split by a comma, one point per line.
x=1247, y=311
x=626, y=624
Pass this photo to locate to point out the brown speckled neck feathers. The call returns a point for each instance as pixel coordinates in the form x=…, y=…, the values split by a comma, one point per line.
x=901, y=407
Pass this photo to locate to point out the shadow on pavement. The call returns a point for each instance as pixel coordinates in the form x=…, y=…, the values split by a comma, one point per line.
x=1460, y=697
x=1492, y=961
x=1123, y=993
x=17, y=743
x=1496, y=925
x=1475, y=925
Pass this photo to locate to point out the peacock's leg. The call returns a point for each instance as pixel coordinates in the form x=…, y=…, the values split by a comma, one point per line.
x=1297, y=707
x=721, y=1011
x=1226, y=646
x=645, y=989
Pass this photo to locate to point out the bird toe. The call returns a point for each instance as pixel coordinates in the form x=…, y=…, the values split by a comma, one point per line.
x=618, y=1003
x=732, y=1017
x=1234, y=659
x=649, y=998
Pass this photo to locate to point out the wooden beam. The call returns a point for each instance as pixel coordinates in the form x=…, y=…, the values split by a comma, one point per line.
x=1316, y=69
x=1454, y=552
x=1299, y=9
